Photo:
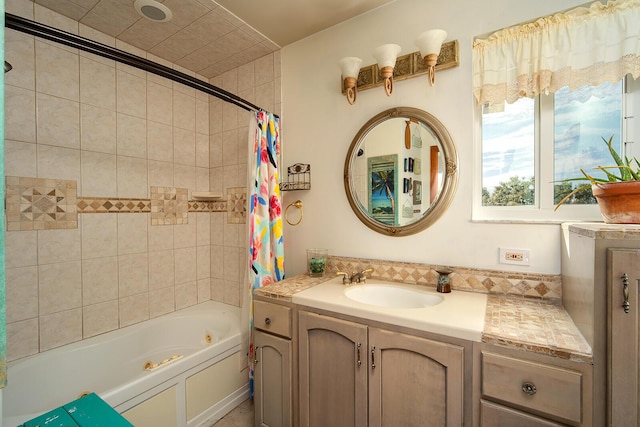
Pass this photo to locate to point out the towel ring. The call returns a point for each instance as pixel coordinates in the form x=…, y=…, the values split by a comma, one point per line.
x=297, y=204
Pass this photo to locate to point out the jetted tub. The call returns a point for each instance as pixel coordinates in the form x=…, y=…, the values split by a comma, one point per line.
x=202, y=377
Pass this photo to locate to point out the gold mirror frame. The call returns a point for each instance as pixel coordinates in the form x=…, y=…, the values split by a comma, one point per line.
x=450, y=176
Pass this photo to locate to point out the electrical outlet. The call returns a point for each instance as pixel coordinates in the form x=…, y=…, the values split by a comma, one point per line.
x=514, y=256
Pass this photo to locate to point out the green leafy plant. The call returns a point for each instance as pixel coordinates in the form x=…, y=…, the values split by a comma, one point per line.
x=628, y=170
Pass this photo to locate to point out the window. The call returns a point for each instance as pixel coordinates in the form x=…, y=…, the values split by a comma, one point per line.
x=528, y=145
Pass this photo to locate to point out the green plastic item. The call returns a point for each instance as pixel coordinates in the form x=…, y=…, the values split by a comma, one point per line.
x=87, y=411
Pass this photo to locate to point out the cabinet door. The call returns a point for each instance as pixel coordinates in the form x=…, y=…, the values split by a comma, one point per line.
x=492, y=415
x=333, y=372
x=624, y=272
x=414, y=381
x=272, y=381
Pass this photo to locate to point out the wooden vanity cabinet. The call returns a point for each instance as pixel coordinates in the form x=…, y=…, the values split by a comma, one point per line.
x=516, y=387
x=353, y=374
x=273, y=379
x=623, y=270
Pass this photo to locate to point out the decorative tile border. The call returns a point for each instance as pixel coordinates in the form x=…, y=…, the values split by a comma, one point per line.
x=169, y=206
x=40, y=204
x=237, y=205
x=204, y=206
x=113, y=205
x=496, y=282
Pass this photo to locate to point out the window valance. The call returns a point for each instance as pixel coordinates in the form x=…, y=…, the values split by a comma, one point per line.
x=574, y=48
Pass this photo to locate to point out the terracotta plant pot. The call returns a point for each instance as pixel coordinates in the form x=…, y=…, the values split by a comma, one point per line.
x=619, y=202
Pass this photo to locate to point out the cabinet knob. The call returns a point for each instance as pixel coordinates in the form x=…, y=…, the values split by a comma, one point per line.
x=267, y=321
x=529, y=388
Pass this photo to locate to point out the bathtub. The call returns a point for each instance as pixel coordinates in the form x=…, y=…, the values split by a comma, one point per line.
x=202, y=377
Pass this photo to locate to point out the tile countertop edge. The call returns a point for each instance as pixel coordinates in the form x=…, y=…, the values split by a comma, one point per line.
x=515, y=322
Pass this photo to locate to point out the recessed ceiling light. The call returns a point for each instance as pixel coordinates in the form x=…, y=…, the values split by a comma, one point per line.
x=153, y=10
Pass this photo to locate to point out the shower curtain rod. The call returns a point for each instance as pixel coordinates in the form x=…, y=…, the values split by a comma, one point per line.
x=44, y=31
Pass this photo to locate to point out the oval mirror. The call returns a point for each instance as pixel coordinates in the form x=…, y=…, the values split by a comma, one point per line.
x=400, y=173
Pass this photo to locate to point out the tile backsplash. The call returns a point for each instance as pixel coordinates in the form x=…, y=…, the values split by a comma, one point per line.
x=87, y=140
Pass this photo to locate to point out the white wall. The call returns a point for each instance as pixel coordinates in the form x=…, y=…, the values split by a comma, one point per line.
x=318, y=126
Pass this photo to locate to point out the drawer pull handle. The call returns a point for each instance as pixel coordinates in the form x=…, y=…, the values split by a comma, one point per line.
x=373, y=357
x=529, y=388
x=267, y=321
x=625, y=291
x=359, y=360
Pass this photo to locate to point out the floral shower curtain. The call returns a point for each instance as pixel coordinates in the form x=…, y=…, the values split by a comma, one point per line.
x=266, y=246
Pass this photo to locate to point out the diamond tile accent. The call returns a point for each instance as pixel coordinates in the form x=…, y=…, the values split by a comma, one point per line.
x=88, y=205
x=40, y=204
x=237, y=205
x=169, y=206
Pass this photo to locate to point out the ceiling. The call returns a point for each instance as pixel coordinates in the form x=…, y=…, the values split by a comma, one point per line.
x=210, y=37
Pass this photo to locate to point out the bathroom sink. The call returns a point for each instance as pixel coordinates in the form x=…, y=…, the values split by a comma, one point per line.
x=391, y=296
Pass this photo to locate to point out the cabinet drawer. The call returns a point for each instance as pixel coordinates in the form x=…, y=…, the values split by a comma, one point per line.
x=551, y=390
x=492, y=415
x=272, y=318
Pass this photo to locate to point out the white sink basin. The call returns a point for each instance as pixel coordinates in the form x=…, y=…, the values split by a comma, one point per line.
x=391, y=296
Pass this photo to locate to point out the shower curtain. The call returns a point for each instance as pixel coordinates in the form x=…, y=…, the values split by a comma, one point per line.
x=266, y=246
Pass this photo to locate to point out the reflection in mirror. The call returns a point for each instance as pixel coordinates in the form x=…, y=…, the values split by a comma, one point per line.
x=401, y=171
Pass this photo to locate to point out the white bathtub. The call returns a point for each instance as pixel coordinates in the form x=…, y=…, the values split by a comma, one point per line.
x=194, y=390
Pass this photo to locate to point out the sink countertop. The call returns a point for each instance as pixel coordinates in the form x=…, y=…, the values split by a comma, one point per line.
x=525, y=323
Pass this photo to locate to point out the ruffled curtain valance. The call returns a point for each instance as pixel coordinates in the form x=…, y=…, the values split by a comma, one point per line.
x=575, y=48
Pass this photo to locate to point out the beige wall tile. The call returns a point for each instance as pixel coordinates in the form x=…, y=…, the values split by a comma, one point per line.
x=185, y=260
x=160, y=174
x=233, y=234
x=161, y=301
x=59, y=163
x=159, y=103
x=20, y=158
x=99, y=235
x=184, y=146
x=20, y=52
x=60, y=287
x=217, y=261
x=133, y=309
x=233, y=259
x=204, y=290
x=184, y=176
x=202, y=150
x=186, y=295
x=215, y=150
x=100, y=318
x=98, y=174
x=20, y=8
x=132, y=233
x=60, y=328
x=99, y=280
x=132, y=177
x=184, y=235
x=56, y=20
x=97, y=83
x=131, y=97
x=21, y=248
x=160, y=237
x=203, y=262
x=160, y=141
x=58, y=121
x=132, y=136
x=230, y=147
x=22, y=293
x=216, y=289
x=161, y=269
x=22, y=339
x=202, y=116
x=203, y=228
x=20, y=119
x=133, y=274
x=57, y=71
x=98, y=129
x=264, y=70
x=231, y=293
x=58, y=246
x=202, y=179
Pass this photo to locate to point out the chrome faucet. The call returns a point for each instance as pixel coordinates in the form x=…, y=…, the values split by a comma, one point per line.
x=359, y=277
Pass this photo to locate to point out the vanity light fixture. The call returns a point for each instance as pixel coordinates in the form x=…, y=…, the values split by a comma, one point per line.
x=350, y=67
x=430, y=43
x=386, y=55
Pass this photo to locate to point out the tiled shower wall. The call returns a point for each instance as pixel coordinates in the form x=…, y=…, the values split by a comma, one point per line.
x=116, y=132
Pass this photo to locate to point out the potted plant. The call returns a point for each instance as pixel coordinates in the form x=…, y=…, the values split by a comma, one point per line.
x=618, y=194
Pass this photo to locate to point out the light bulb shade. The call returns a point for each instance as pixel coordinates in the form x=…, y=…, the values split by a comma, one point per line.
x=430, y=42
x=386, y=54
x=350, y=66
